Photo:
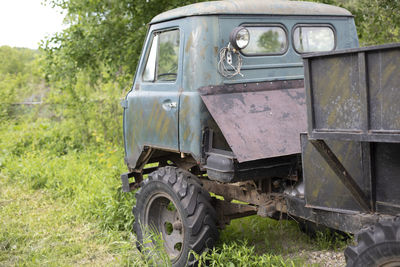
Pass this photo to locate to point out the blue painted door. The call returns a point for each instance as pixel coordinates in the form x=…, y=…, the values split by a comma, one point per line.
x=151, y=117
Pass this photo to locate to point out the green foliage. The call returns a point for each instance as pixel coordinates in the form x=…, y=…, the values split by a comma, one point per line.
x=153, y=250
x=43, y=155
x=330, y=240
x=377, y=21
x=109, y=33
x=20, y=79
x=241, y=254
x=16, y=60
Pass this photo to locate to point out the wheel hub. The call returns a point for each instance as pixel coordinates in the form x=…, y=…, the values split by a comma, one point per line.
x=163, y=216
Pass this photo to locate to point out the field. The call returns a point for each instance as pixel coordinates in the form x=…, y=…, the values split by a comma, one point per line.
x=61, y=205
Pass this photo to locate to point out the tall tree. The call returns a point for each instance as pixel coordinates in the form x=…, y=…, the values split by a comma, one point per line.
x=102, y=33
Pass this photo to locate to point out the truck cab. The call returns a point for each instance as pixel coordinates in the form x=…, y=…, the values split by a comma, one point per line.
x=179, y=95
x=217, y=105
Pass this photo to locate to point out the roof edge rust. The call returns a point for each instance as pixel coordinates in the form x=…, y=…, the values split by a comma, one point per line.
x=253, y=7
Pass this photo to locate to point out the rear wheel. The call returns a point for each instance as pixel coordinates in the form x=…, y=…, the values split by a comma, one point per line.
x=378, y=245
x=172, y=203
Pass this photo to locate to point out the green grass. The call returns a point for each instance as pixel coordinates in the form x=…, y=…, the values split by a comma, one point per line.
x=38, y=230
x=61, y=204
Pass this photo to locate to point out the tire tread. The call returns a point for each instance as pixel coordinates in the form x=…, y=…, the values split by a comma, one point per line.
x=195, y=201
x=375, y=243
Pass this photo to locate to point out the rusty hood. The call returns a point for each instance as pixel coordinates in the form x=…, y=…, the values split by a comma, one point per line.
x=259, y=120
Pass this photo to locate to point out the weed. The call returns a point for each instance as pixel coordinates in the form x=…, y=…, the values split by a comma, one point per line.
x=153, y=247
x=331, y=240
x=241, y=254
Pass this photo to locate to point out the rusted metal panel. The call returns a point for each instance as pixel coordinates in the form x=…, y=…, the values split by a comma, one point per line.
x=244, y=191
x=341, y=172
x=253, y=7
x=343, y=220
x=259, y=120
x=386, y=171
x=354, y=94
x=325, y=180
x=365, y=175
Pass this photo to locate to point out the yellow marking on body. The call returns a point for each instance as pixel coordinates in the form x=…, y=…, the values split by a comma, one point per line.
x=154, y=111
x=186, y=133
x=160, y=121
x=183, y=111
x=165, y=128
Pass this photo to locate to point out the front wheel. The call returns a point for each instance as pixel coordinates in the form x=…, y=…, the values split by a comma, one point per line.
x=378, y=245
x=172, y=203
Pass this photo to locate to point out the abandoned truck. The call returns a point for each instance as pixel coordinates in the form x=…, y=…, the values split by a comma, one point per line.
x=223, y=104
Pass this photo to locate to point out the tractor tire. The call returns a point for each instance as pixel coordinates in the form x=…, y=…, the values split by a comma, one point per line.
x=378, y=245
x=173, y=203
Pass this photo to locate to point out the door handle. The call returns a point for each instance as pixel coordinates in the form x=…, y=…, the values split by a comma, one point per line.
x=173, y=105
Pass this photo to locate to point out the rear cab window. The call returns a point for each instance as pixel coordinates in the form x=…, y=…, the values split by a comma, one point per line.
x=266, y=40
x=313, y=38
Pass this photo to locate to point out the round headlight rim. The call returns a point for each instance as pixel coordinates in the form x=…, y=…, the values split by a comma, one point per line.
x=233, y=37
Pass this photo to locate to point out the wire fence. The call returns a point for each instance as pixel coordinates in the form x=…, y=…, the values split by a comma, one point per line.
x=101, y=116
x=57, y=110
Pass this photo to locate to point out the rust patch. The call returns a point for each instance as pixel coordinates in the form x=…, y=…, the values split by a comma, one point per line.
x=260, y=120
x=251, y=87
x=216, y=50
x=189, y=43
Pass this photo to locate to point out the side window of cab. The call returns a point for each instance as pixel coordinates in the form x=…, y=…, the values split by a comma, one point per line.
x=163, y=57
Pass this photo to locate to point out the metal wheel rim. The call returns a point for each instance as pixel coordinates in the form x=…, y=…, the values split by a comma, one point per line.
x=159, y=218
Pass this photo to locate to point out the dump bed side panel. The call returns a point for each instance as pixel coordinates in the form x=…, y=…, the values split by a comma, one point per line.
x=353, y=108
x=354, y=94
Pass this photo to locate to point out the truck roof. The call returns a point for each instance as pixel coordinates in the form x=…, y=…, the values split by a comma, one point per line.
x=253, y=7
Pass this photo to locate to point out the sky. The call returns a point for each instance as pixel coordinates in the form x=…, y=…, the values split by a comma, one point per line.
x=23, y=23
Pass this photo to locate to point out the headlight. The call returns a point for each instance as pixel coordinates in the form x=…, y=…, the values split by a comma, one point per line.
x=239, y=38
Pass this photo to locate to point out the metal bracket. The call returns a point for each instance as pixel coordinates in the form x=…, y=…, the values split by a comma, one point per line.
x=128, y=187
x=342, y=173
